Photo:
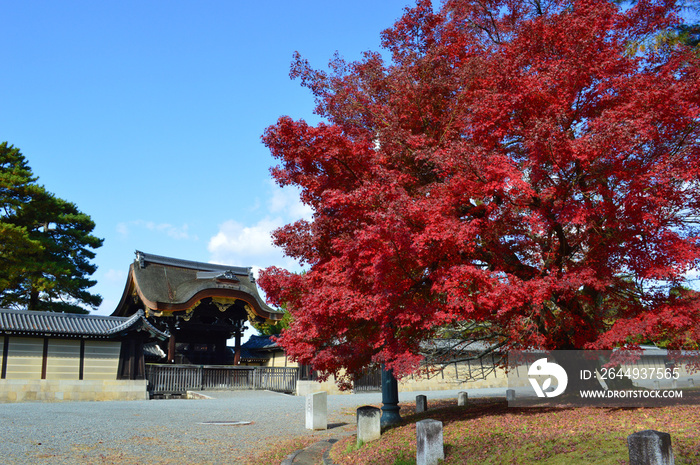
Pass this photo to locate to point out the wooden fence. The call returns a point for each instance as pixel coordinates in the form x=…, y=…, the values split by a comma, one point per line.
x=174, y=379
x=370, y=381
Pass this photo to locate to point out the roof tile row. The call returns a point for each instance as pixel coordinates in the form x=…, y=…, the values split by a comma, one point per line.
x=34, y=322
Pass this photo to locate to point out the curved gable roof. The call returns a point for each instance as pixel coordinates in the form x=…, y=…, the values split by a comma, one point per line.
x=165, y=284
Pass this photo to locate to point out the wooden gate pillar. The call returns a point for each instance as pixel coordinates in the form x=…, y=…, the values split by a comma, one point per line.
x=171, y=347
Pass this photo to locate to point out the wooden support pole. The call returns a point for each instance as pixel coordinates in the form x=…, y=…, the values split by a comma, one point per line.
x=5, y=347
x=237, y=349
x=44, y=358
x=140, y=369
x=81, y=367
x=171, y=347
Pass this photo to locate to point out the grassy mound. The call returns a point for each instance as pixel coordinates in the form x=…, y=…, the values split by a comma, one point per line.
x=488, y=432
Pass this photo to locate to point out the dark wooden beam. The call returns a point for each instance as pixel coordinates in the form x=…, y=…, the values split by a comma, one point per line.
x=237, y=349
x=171, y=347
x=44, y=358
x=5, y=347
x=81, y=369
x=140, y=362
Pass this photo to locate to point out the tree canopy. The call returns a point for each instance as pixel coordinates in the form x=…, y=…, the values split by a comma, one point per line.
x=689, y=33
x=518, y=172
x=45, y=244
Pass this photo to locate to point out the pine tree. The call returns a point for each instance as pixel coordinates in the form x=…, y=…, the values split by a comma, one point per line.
x=45, y=244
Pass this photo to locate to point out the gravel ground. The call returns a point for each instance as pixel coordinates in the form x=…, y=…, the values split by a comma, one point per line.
x=170, y=431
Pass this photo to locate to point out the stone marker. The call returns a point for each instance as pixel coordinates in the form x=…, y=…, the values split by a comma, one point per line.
x=462, y=398
x=368, y=424
x=510, y=395
x=691, y=383
x=421, y=403
x=317, y=410
x=650, y=447
x=429, y=442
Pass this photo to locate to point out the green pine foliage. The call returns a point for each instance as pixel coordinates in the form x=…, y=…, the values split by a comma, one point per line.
x=46, y=244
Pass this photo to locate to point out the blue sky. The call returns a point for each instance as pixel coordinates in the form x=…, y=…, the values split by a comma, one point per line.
x=148, y=115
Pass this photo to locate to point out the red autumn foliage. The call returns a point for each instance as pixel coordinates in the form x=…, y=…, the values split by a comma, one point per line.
x=527, y=166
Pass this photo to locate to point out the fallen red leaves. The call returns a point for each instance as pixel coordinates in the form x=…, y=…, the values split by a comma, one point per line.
x=488, y=432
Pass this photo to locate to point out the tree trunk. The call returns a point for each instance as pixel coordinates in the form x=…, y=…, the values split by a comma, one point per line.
x=33, y=303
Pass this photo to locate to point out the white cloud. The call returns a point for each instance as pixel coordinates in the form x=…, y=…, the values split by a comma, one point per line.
x=251, y=245
x=235, y=239
x=115, y=276
x=240, y=245
x=285, y=201
x=174, y=232
x=123, y=229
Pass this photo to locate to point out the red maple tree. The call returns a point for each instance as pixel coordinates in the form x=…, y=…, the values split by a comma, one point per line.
x=524, y=172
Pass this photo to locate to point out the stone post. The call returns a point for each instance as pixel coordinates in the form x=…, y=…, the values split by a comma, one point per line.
x=421, y=403
x=510, y=395
x=462, y=398
x=429, y=442
x=317, y=410
x=368, y=424
x=650, y=447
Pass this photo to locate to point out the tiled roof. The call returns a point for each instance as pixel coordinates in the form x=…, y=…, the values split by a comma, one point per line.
x=69, y=324
x=144, y=258
x=259, y=342
x=257, y=348
x=249, y=355
x=170, y=285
